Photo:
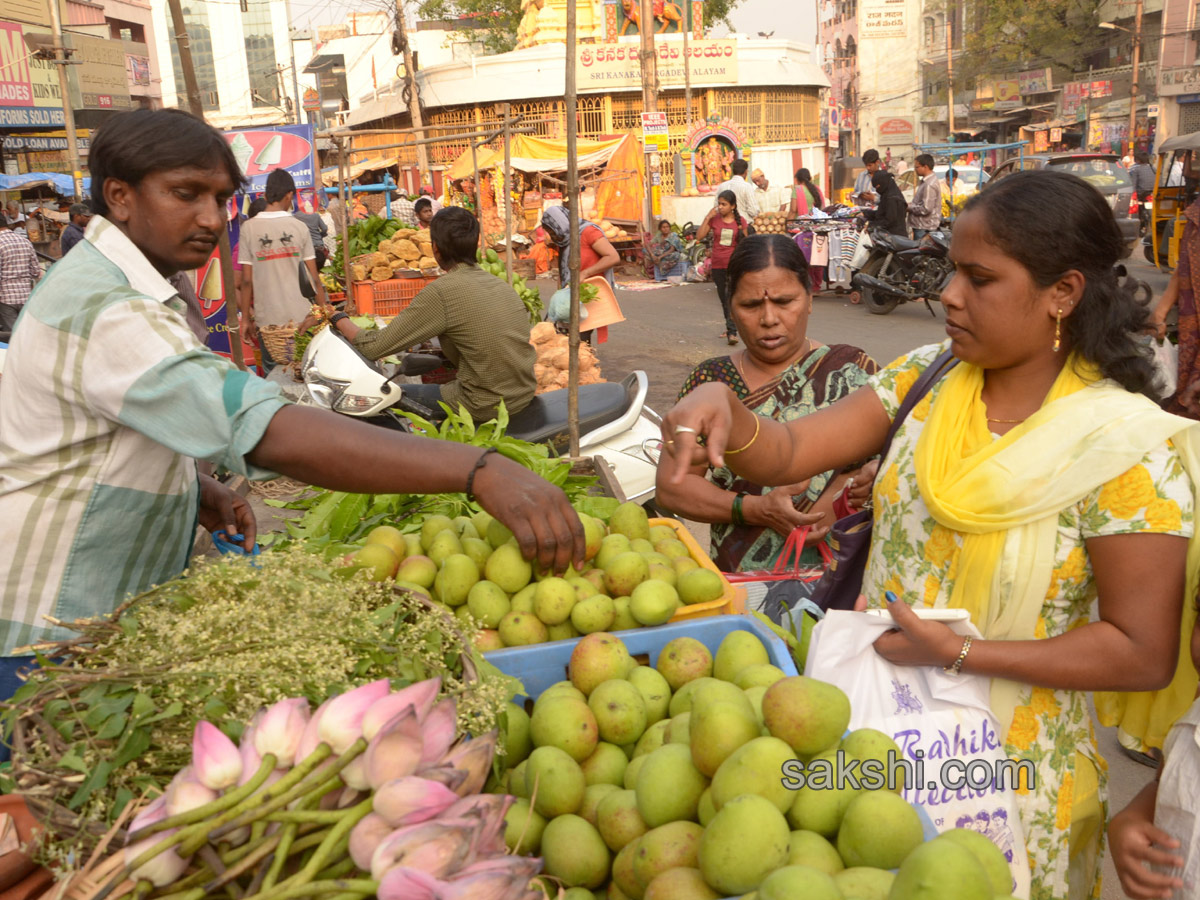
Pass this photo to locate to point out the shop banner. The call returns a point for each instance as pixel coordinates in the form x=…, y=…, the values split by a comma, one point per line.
x=29, y=94
x=259, y=150
x=1036, y=81
x=615, y=66
x=101, y=78
x=896, y=131
x=882, y=19
x=1007, y=94
x=656, y=135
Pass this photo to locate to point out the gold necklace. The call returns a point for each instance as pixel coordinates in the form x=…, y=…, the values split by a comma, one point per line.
x=738, y=363
x=1007, y=421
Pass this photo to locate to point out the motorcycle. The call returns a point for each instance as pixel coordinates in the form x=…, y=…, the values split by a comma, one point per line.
x=614, y=422
x=899, y=269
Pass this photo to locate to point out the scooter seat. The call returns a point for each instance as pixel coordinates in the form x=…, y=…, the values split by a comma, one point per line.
x=544, y=420
x=902, y=243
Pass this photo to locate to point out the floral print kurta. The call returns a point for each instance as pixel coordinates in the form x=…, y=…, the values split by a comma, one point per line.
x=917, y=558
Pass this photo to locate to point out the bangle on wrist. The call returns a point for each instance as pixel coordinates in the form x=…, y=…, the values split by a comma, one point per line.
x=737, y=514
x=337, y=317
x=479, y=464
x=955, y=667
x=749, y=443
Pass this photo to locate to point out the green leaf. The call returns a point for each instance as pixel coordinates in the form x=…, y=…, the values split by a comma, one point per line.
x=142, y=706
x=97, y=778
x=133, y=746
x=112, y=727
x=72, y=760
x=347, y=515
x=173, y=709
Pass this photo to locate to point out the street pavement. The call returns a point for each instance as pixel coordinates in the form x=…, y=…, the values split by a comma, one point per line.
x=669, y=331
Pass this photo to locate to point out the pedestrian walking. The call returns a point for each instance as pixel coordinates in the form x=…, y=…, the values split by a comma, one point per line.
x=925, y=211
x=727, y=227
x=80, y=214
x=19, y=271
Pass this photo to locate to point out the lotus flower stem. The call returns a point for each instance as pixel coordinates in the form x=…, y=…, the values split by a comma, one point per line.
x=351, y=888
x=337, y=870
x=318, y=816
x=259, y=853
x=286, y=836
x=294, y=784
x=192, y=894
x=257, y=830
x=339, y=833
x=200, y=813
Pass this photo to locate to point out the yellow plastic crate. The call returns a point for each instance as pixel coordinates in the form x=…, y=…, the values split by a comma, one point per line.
x=733, y=600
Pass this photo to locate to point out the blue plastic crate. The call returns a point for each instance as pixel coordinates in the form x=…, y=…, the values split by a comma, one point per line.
x=541, y=665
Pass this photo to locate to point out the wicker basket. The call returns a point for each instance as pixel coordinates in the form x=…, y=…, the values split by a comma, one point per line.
x=280, y=342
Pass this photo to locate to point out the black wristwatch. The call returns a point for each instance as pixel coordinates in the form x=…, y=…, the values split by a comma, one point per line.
x=337, y=317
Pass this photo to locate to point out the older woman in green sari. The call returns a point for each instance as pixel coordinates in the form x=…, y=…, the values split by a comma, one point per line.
x=782, y=374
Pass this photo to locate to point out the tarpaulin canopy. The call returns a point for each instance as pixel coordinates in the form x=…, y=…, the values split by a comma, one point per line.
x=619, y=194
x=329, y=177
x=26, y=180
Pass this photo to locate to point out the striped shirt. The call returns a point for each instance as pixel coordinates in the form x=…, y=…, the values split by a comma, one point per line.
x=106, y=401
x=19, y=267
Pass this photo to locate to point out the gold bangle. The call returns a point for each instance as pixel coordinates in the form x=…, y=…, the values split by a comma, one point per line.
x=748, y=444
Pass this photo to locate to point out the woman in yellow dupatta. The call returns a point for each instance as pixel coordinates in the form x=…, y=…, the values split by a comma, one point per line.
x=1035, y=482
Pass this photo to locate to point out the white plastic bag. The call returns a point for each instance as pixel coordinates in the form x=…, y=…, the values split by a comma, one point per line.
x=1166, y=361
x=933, y=717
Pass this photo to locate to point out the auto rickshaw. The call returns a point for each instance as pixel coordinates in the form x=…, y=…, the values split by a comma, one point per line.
x=844, y=172
x=1172, y=195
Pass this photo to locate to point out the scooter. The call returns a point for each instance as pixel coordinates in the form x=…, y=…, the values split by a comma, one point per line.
x=900, y=269
x=614, y=421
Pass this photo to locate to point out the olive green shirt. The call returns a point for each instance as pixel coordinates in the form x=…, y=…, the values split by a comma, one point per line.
x=484, y=331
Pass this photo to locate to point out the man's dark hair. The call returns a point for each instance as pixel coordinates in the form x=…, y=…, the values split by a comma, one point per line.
x=131, y=145
x=925, y=160
x=80, y=209
x=257, y=205
x=455, y=234
x=1141, y=159
x=870, y=156
x=279, y=184
x=739, y=167
x=422, y=203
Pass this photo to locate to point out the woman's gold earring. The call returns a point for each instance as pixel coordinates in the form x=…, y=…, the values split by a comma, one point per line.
x=1058, y=330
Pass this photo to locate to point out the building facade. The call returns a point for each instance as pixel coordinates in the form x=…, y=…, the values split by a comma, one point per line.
x=244, y=55
x=114, y=67
x=1179, y=72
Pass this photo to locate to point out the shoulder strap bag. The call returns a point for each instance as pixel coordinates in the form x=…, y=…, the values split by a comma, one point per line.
x=850, y=536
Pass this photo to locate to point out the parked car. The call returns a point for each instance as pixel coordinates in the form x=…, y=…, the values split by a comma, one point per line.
x=967, y=183
x=1103, y=170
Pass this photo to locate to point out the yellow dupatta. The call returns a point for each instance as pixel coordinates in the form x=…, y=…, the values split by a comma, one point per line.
x=1004, y=495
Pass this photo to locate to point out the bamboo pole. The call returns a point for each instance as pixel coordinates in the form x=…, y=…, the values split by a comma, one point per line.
x=506, y=183
x=573, y=211
x=343, y=195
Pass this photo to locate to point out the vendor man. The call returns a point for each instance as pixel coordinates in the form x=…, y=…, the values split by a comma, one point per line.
x=481, y=322
x=108, y=399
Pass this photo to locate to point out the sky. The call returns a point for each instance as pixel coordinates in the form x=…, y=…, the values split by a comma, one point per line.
x=795, y=20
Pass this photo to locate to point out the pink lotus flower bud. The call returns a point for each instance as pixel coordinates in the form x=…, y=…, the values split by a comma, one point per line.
x=410, y=800
x=403, y=883
x=419, y=696
x=365, y=838
x=395, y=750
x=445, y=775
x=438, y=730
x=503, y=878
x=251, y=759
x=165, y=868
x=432, y=847
x=185, y=793
x=475, y=758
x=311, y=738
x=489, y=811
x=216, y=759
x=280, y=730
x=341, y=725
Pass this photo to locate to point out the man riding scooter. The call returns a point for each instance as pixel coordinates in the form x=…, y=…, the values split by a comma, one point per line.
x=481, y=322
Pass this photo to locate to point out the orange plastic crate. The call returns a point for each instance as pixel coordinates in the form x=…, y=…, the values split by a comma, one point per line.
x=387, y=298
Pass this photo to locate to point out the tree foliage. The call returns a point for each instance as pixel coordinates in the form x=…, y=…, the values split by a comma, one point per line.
x=1011, y=35
x=496, y=21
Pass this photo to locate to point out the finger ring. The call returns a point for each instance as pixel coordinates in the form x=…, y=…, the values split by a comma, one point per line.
x=684, y=429
x=669, y=443
x=850, y=484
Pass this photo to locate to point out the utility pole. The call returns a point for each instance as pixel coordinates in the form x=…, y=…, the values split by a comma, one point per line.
x=507, y=185
x=950, y=11
x=410, y=86
x=61, y=62
x=225, y=252
x=687, y=62
x=649, y=61
x=1137, y=60
x=573, y=216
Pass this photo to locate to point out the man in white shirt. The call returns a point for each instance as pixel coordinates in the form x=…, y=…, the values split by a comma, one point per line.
x=925, y=210
x=746, y=203
x=769, y=199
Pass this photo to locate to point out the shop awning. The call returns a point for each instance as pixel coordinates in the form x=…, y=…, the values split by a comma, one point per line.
x=329, y=176
x=618, y=197
x=61, y=183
